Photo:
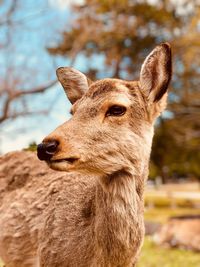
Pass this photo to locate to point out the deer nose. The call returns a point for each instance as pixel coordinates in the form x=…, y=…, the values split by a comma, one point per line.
x=46, y=150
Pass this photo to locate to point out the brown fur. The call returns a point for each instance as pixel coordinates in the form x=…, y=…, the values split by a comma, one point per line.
x=93, y=214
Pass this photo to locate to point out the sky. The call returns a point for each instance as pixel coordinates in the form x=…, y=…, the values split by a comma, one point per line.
x=35, y=27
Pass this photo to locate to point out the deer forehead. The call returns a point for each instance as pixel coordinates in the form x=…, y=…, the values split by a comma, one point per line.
x=105, y=87
x=107, y=92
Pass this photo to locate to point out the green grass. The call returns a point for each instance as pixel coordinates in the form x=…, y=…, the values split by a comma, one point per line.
x=154, y=256
x=163, y=201
x=160, y=208
x=162, y=214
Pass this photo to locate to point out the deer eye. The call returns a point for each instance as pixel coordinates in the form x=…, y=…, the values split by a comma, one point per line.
x=116, y=111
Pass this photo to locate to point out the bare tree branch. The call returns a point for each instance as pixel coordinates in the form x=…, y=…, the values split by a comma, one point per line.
x=12, y=95
x=9, y=13
x=9, y=21
x=24, y=113
x=40, y=89
x=5, y=109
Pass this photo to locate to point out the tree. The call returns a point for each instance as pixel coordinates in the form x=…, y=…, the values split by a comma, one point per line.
x=175, y=155
x=16, y=82
x=120, y=32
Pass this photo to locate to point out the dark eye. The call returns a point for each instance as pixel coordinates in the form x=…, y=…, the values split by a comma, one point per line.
x=116, y=111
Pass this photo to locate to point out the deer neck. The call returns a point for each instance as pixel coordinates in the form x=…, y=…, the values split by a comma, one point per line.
x=119, y=219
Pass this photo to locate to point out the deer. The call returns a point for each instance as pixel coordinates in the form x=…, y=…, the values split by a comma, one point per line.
x=86, y=210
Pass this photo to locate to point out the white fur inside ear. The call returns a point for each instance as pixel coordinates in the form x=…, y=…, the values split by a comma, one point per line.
x=156, y=72
x=74, y=82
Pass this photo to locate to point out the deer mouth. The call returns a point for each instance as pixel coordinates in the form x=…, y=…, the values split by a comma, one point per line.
x=70, y=160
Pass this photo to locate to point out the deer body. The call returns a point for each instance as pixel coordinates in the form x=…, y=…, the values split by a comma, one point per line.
x=83, y=246
x=64, y=220
x=91, y=216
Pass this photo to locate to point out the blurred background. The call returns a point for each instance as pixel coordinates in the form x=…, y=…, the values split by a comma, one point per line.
x=109, y=39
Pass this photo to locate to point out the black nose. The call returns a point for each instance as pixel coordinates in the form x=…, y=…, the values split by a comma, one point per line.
x=47, y=149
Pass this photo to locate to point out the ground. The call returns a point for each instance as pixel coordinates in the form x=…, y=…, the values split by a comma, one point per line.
x=154, y=256
x=167, y=201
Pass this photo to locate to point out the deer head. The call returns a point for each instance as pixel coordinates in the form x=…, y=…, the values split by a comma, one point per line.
x=112, y=120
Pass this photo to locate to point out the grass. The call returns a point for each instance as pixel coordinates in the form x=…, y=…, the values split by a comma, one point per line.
x=162, y=214
x=154, y=256
x=160, y=208
x=164, y=201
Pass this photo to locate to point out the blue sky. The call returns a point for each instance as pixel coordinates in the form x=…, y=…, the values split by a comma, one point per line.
x=35, y=27
x=31, y=66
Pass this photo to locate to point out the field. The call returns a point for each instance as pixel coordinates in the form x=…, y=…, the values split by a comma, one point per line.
x=160, y=205
x=154, y=256
x=162, y=214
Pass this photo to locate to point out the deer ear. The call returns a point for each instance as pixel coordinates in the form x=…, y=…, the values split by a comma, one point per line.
x=156, y=73
x=74, y=82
